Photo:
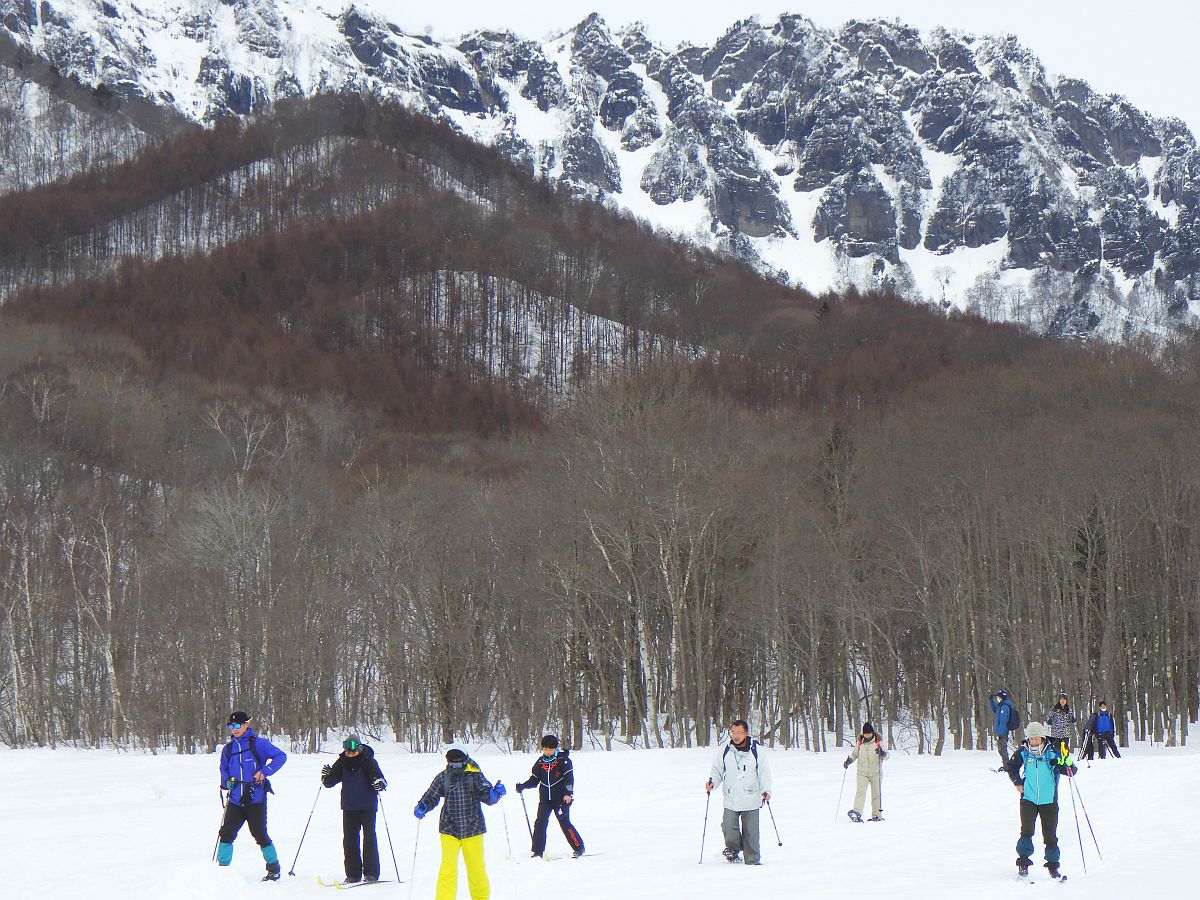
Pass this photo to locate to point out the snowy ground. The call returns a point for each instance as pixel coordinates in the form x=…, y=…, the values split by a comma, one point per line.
x=98, y=824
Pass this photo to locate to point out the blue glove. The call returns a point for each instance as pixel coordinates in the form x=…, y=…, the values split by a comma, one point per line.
x=846, y=764
x=419, y=810
x=498, y=791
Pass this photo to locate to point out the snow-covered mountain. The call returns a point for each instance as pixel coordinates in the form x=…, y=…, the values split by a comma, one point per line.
x=950, y=166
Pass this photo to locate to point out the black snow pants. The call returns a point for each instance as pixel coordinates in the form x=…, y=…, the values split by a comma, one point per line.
x=562, y=812
x=354, y=821
x=254, y=816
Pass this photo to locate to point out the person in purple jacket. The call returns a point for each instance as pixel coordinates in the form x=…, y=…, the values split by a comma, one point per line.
x=247, y=762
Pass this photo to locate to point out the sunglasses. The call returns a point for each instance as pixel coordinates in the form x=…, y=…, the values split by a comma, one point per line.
x=234, y=726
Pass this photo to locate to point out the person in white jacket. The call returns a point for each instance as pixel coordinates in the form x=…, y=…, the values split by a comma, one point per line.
x=869, y=753
x=745, y=775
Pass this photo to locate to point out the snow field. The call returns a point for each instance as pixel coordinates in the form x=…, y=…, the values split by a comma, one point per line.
x=98, y=824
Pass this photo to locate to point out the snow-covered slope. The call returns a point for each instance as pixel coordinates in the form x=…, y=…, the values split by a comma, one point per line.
x=951, y=167
x=103, y=825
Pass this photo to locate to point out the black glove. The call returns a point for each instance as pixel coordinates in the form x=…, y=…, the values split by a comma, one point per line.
x=379, y=785
x=846, y=764
x=325, y=770
x=520, y=786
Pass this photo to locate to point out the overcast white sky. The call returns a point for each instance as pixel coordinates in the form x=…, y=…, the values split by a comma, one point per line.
x=1148, y=50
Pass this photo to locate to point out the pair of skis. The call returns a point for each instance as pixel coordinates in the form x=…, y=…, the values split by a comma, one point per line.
x=344, y=886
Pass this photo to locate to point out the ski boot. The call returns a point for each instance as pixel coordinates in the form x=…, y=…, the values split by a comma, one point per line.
x=355, y=880
x=875, y=819
x=1023, y=865
x=1052, y=868
x=578, y=853
x=370, y=878
x=730, y=855
x=855, y=815
x=272, y=872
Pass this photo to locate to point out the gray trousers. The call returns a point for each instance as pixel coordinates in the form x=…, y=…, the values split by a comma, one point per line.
x=1002, y=749
x=743, y=840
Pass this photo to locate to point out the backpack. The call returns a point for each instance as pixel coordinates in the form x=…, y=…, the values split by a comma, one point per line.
x=1014, y=719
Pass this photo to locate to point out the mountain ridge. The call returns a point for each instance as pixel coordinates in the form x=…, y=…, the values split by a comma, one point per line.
x=950, y=168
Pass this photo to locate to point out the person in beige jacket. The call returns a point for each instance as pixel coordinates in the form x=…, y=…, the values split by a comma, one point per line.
x=869, y=753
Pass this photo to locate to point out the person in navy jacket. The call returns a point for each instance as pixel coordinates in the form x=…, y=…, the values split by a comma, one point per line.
x=1034, y=769
x=362, y=780
x=247, y=763
x=554, y=775
x=1100, y=730
x=1002, y=710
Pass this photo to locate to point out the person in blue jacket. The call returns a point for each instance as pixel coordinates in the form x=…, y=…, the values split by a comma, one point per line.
x=1002, y=710
x=247, y=763
x=362, y=780
x=1034, y=770
x=1100, y=731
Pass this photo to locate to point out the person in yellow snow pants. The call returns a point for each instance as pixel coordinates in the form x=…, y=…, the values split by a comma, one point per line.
x=472, y=852
x=465, y=789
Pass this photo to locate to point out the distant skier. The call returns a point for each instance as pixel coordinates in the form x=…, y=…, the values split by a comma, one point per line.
x=1061, y=722
x=554, y=775
x=1100, y=732
x=464, y=787
x=247, y=762
x=1038, y=787
x=743, y=770
x=1002, y=709
x=869, y=752
x=361, y=780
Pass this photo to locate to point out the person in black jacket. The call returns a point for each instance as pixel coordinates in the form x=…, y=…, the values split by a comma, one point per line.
x=361, y=780
x=1101, y=729
x=554, y=775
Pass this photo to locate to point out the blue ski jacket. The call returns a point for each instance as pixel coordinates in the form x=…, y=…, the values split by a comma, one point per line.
x=1041, y=774
x=238, y=761
x=1001, y=711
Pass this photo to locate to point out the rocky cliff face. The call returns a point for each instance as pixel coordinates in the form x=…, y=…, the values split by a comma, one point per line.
x=950, y=166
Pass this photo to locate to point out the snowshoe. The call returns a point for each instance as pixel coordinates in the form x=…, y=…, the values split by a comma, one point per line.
x=855, y=815
x=730, y=855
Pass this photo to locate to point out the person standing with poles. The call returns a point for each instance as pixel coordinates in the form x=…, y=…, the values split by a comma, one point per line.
x=869, y=753
x=745, y=775
x=465, y=789
x=1061, y=722
x=247, y=762
x=1101, y=728
x=1034, y=770
x=1005, y=722
x=361, y=780
x=554, y=775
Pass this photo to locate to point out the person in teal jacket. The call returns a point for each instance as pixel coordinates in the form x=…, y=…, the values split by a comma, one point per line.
x=1038, y=786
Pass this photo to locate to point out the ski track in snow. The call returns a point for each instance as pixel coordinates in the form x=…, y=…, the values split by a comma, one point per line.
x=100, y=824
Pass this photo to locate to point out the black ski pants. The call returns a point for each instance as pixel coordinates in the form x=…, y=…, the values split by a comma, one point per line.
x=562, y=812
x=1103, y=741
x=366, y=863
x=1030, y=813
x=254, y=816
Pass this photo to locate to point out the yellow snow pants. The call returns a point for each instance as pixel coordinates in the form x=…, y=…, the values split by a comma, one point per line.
x=472, y=852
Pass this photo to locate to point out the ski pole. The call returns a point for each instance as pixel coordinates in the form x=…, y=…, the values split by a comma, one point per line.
x=523, y=807
x=292, y=870
x=881, y=789
x=776, y=827
x=1078, y=833
x=220, y=824
x=1087, y=819
x=412, y=877
x=388, y=832
x=704, y=831
x=507, y=839
x=845, y=772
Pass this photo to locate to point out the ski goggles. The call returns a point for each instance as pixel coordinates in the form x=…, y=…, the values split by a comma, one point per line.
x=351, y=745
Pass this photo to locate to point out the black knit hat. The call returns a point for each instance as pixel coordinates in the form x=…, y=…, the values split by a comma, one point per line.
x=867, y=729
x=550, y=740
x=238, y=718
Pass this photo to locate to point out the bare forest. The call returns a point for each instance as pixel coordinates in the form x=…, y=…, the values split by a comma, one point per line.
x=341, y=418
